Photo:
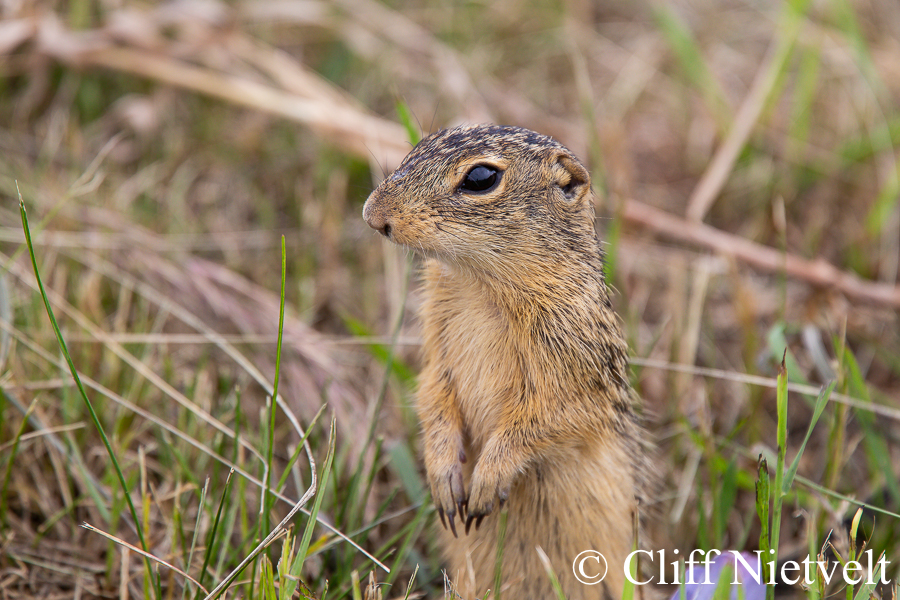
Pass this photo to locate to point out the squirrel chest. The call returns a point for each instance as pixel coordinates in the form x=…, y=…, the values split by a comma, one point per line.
x=466, y=336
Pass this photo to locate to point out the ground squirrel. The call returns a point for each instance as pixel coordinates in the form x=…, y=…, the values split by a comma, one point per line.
x=524, y=397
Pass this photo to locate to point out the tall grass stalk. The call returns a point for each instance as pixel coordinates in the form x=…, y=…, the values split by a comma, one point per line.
x=211, y=537
x=784, y=476
x=498, y=563
x=296, y=568
x=776, y=494
x=151, y=574
x=267, y=498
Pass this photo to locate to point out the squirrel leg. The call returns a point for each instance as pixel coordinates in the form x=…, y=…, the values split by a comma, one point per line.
x=443, y=447
x=508, y=453
x=504, y=455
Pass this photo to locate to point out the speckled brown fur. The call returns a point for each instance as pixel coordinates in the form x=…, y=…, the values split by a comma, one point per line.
x=524, y=396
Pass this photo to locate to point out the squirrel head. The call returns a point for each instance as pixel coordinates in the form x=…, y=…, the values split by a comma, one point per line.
x=487, y=197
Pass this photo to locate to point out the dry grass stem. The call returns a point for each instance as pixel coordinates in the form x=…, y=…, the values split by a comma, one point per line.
x=768, y=382
x=817, y=272
x=135, y=549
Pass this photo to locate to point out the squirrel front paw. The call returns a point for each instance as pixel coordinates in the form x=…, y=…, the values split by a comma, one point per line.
x=447, y=489
x=487, y=485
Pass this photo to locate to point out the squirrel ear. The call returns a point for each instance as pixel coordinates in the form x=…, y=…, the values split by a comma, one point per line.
x=572, y=178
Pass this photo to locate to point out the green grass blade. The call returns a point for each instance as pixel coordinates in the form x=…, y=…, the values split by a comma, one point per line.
x=723, y=502
x=268, y=498
x=298, y=449
x=868, y=584
x=83, y=393
x=382, y=352
x=190, y=560
x=406, y=119
x=691, y=61
x=501, y=542
x=412, y=533
x=404, y=464
x=630, y=587
x=821, y=401
x=845, y=18
x=777, y=492
x=409, y=586
x=370, y=480
x=874, y=442
x=762, y=504
x=803, y=100
x=821, y=489
x=612, y=237
x=211, y=537
x=878, y=221
x=554, y=580
x=267, y=579
x=297, y=567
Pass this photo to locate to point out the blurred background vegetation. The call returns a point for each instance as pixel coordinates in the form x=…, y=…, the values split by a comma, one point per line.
x=745, y=159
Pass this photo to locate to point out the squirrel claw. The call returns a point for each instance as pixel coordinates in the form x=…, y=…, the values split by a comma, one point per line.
x=477, y=519
x=453, y=524
x=449, y=495
x=451, y=516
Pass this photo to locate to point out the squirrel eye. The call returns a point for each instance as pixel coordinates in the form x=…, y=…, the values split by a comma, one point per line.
x=480, y=179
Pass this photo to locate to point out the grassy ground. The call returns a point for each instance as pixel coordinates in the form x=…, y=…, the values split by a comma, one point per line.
x=161, y=171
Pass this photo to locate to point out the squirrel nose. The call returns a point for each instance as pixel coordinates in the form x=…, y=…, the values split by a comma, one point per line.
x=376, y=219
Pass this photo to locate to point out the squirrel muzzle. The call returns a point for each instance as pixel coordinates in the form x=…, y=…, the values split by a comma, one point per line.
x=375, y=216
